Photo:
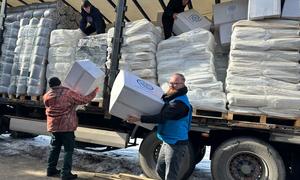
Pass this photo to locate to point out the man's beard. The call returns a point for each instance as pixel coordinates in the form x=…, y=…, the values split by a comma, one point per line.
x=171, y=91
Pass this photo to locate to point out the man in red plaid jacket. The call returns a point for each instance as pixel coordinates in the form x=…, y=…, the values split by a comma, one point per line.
x=61, y=103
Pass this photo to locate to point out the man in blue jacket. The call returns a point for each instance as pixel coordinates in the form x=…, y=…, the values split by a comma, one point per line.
x=91, y=15
x=170, y=14
x=173, y=126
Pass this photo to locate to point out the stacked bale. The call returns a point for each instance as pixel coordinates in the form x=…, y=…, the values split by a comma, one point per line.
x=21, y=52
x=10, y=36
x=62, y=52
x=138, y=48
x=62, y=16
x=28, y=72
x=37, y=69
x=264, y=72
x=93, y=48
x=191, y=54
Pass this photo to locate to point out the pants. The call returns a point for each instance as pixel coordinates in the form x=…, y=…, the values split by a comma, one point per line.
x=167, y=22
x=59, y=139
x=91, y=29
x=170, y=160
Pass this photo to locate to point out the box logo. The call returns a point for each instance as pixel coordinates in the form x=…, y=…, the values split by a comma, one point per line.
x=194, y=18
x=144, y=84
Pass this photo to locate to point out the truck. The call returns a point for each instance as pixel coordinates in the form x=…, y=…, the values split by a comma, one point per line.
x=242, y=145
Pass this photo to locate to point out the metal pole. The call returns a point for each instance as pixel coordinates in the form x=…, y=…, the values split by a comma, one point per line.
x=116, y=47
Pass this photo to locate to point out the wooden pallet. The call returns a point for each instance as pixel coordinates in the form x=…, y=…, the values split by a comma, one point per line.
x=263, y=119
x=4, y=95
x=121, y=176
x=209, y=114
x=26, y=98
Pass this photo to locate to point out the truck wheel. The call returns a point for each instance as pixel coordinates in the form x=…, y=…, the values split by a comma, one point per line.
x=247, y=158
x=4, y=124
x=21, y=135
x=148, y=154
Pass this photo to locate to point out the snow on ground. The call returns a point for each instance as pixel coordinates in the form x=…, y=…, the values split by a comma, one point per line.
x=115, y=161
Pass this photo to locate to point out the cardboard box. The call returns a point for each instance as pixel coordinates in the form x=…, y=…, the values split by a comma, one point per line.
x=225, y=31
x=291, y=9
x=189, y=20
x=84, y=77
x=132, y=95
x=259, y=9
x=230, y=11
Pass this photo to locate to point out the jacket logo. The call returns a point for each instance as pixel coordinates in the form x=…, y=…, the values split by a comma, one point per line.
x=144, y=84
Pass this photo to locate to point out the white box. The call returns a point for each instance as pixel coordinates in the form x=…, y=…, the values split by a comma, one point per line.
x=84, y=77
x=261, y=9
x=230, y=11
x=132, y=95
x=189, y=20
x=225, y=31
x=291, y=9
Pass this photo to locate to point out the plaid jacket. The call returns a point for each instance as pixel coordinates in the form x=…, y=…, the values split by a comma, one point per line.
x=61, y=103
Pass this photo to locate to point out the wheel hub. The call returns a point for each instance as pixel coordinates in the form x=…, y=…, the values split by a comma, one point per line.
x=246, y=166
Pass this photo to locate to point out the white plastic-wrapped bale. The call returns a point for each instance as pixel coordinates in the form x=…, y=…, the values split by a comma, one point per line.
x=138, y=48
x=28, y=73
x=62, y=52
x=191, y=54
x=264, y=71
x=20, y=52
x=9, y=44
x=37, y=69
x=93, y=48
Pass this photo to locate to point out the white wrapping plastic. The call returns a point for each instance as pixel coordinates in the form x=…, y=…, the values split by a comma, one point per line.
x=264, y=71
x=93, y=48
x=62, y=51
x=140, y=39
x=191, y=54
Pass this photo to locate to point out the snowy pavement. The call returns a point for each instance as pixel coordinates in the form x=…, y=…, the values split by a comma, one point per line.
x=111, y=162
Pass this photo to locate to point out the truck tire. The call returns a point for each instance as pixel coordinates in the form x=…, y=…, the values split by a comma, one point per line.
x=21, y=135
x=247, y=158
x=148, y=154
x=4, y=124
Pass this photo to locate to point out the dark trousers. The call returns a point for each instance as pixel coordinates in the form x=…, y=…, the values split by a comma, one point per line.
x=167, y=22
x=91, y=29
x=170, y=160
x=59, y=139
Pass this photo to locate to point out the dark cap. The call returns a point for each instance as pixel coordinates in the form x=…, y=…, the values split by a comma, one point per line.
x=54, y=81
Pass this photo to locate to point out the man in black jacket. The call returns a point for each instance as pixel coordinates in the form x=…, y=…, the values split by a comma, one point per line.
x=173, y=8
x=173, y=126
x=91, y=15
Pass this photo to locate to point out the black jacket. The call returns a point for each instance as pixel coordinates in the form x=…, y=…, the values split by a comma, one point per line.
x=174, y=6
x=170, y=111
x=97, y=20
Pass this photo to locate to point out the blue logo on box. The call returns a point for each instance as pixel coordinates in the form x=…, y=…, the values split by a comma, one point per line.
x=144, y=84
x=194, y=18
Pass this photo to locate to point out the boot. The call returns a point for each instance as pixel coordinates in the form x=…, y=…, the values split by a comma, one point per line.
x=53, y=173
x=69, y=176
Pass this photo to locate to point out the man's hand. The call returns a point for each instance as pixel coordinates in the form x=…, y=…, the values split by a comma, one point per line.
x=175, y=16
x=132, y=119
x=97, y=89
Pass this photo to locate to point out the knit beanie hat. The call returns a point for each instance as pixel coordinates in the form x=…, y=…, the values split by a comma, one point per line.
x=53, y=82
